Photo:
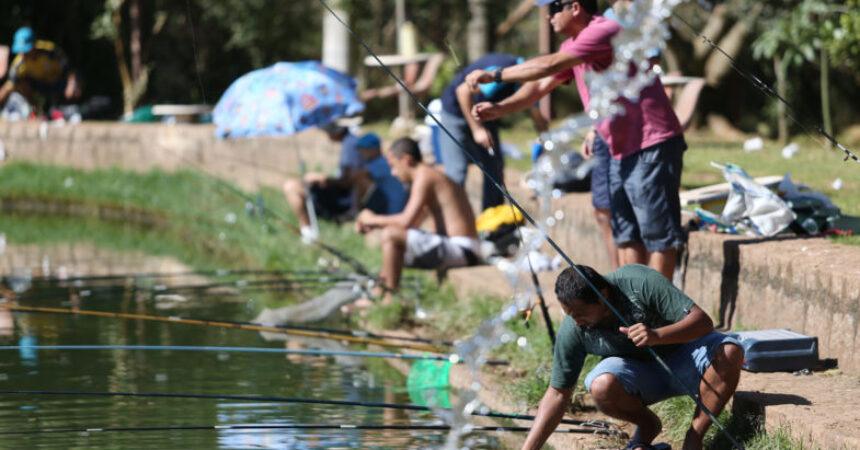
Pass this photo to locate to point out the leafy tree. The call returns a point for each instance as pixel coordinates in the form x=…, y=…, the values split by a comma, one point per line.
x=793, y=37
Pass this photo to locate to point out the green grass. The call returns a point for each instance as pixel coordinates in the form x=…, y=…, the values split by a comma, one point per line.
x=676, y=414
x=201, y=221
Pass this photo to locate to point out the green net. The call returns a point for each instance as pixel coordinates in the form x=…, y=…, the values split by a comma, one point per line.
x=427, y=383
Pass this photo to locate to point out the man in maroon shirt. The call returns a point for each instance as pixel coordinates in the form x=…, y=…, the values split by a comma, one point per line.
x=646, y=142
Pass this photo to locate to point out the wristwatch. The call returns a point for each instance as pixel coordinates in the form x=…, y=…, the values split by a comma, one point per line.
x=497, y=75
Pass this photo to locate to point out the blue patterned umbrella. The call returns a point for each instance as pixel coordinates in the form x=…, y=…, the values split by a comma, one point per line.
x=284, y=99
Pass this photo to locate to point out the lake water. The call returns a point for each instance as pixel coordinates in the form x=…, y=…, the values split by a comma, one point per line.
x=161, y=371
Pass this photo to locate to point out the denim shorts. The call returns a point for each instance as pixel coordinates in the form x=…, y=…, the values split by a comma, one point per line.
x=644, y=196
x=650, y=381
x=600, y=174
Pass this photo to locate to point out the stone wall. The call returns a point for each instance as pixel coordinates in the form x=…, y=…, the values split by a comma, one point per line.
x=141, y=147
x=808, y=285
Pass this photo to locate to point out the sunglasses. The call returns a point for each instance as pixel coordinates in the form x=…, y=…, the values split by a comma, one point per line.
x=558, y=6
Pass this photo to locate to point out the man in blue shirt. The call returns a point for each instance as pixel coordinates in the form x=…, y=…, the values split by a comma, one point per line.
x=480, y=140
x=333, y=197
x=377, y=189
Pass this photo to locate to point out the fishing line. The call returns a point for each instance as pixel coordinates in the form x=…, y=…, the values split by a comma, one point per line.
x=549, y=240
x=283, y=351
x=213, y=323
x=315, y=401
x=767, y=90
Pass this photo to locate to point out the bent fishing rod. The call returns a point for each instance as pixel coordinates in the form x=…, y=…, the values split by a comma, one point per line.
x=622, y=320
x=296, y=426
x=183, y=273
x=283, y=351
x=213, y=323
x=237, y=195
x=237, y=324
x=315, y=401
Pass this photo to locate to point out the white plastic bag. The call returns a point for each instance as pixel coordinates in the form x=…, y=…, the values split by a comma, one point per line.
x=752, y=208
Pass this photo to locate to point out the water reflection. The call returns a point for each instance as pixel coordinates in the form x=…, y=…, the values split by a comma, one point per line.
x=343, y=378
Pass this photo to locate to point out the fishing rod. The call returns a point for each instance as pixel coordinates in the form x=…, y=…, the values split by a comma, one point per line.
x=184, y=273
x=300, y=426
x=534, y=278
x=282, y=351
x=214, y=323
x=238, y=195
x=767, y=90
x=331, y=331
x=315, y=401
x=244, y=283
x=622, y=320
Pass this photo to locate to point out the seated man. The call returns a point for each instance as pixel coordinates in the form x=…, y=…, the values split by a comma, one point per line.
x=376, y=188
x=39, y=73
x=628, y=379
x=454, y=241
x=332, y=197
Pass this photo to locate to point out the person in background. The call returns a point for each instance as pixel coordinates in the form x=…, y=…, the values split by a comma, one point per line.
x=481, y=141
x=628, y=378
x=332, y=197
x=39, y=73
x=376, y=188
x=646, y=141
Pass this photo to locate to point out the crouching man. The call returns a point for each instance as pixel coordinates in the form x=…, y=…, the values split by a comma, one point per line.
x=628, y=379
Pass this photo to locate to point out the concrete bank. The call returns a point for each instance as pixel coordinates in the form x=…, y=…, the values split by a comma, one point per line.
x=141, y=147
x=809, y=285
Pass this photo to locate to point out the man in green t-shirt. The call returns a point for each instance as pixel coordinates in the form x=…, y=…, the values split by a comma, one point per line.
x=628, y=378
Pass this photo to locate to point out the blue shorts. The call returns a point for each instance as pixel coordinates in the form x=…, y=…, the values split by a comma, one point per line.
x=650, y=381
x=600, y=174
x=644, y=198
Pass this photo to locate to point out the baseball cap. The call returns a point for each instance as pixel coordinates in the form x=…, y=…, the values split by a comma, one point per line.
x=369, y=140
x=24, y=39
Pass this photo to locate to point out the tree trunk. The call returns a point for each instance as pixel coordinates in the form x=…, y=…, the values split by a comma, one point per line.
x=335, y=51
x=135, y=39
x=825, y=95
x=124, y=75
x=717, y=65
x=713, y=27
x=477, y=36
x=780, y=69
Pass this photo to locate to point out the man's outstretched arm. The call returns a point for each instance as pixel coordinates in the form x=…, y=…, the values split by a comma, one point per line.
x=531, y=70
x=527, y=95
x=551, y=410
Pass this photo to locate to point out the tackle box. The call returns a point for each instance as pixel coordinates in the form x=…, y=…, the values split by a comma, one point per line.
x=777, y=350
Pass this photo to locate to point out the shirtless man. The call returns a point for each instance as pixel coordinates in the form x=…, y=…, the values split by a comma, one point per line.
x=455, y=241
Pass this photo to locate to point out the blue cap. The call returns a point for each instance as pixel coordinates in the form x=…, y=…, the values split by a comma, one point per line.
x=369, y=140
x=543, y=2
x=24, y=39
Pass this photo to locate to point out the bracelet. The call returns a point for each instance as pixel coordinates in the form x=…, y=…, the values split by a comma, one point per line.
x=497, y=76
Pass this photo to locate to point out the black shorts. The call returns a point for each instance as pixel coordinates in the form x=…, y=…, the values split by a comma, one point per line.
x=331, y=202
